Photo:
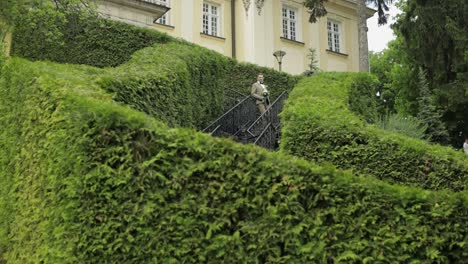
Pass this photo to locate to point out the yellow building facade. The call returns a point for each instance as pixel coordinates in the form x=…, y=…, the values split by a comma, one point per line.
x=252, y=33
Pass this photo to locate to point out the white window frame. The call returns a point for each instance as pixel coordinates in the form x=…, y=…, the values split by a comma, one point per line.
x=165, y=19
x=290, y=22
x=211, y=19
x=334, y=36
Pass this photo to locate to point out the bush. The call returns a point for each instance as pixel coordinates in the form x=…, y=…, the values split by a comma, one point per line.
x=184, y=85
x=179, y=83
x=86, y=180
x=176, y=83
x=80, y=39
x=362, y=99
x=405, y=125
x=241, y=76
x=319, y=126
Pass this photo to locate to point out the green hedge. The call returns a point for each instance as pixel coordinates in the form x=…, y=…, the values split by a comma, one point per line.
x=87, y=180
x=319, y=126
x=241, y=76
x=177, y=82
x=185, y=85
x=80, y=39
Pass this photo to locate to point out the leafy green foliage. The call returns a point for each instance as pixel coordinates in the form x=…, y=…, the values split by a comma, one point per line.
x=319, y=126
x=428, y=112
x=174, y=81
x=313, y=63
x=405, y=125
x=435, y=36
x=362, y=97
x=241, y=76
x=87, y=180
x=80, y=39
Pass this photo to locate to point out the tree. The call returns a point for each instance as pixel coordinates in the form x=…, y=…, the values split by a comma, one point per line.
x=317, y=9
x=398, y=78
x=434, y=34
x=428, y=112
x=313, y=65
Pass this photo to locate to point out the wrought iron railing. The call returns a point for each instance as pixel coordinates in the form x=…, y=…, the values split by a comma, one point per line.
x=232, y=98
x=234, y=120
x=270, y=116
x=268, y=137
x=241, y=122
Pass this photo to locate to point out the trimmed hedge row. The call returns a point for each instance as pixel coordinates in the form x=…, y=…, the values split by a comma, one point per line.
x=319, y=126
x=185, y=85
x=81, y=39
x=179, y=83
x=86, y=180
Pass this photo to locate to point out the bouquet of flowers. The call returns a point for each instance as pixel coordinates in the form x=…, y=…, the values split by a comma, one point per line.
x=266, y=99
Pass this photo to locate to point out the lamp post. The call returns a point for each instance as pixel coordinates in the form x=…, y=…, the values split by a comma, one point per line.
x=279, y=54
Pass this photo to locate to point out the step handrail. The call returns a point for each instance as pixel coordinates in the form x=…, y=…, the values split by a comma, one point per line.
x=265, y=115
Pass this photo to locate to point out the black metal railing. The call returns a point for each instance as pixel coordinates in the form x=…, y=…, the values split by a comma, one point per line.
x=268, y=137
x=232, y=97
x=236, y=119
x=242, y=123
x=270, y=116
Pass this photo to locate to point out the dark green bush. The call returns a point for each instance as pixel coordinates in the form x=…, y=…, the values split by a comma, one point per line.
x=179, y=83
x=362, y=99
x=184, y=85
x=241, y=76
x=86, y=180
x=80, y=39
x=318, y=125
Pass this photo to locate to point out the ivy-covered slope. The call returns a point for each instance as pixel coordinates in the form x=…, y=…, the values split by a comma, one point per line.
x=318, y=125
x=88, y=180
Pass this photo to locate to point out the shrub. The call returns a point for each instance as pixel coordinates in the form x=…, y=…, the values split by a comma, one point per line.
x=179, y=83
x=319, y=126
x=405, y=125
x=362, y=99
x=80, y=39
x=241, y=76
x=87, y=180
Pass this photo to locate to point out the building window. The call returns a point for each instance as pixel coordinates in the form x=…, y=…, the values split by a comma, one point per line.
x=165, y=18
x=290, y=23
x=334, y=35
x=211, y=19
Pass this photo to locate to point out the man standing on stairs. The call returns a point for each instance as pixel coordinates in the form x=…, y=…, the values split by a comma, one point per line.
x=260, y=93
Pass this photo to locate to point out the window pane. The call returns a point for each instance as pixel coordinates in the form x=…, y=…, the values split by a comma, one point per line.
x=285, y=28
x=214, y=26
x=292, y=14
x=337, y=42
x=293, y=30
x=205, y=24
x=162, y=20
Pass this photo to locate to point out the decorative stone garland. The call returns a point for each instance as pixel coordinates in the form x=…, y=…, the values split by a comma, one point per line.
x=258, y=3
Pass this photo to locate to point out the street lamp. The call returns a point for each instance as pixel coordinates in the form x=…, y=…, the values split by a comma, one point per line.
x=279, y=54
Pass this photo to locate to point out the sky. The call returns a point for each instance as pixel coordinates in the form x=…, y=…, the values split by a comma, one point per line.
x=379, y=36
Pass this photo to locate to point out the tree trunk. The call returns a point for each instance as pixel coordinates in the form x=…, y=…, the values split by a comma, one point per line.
x=362, y=35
